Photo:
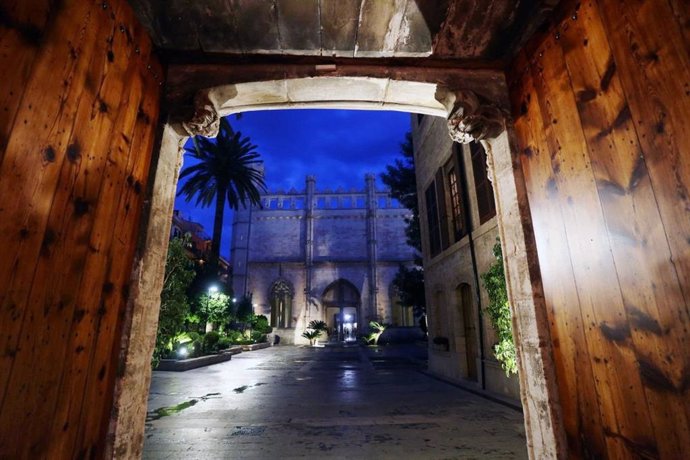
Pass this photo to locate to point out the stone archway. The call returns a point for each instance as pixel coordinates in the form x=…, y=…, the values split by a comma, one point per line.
x=342, y=310
x=470, y=117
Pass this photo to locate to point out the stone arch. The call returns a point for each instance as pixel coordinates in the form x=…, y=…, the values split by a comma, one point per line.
x=362, y=93
x=281, y=295
x=342, y=302
x=470, y=117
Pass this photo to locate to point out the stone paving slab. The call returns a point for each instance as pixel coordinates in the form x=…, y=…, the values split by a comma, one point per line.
x=289, y=402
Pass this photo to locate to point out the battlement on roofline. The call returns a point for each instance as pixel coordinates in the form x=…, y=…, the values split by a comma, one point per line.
x=327, y=198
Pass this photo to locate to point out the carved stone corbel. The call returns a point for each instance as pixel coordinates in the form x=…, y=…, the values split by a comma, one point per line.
x=469, y=117
x=206, y=121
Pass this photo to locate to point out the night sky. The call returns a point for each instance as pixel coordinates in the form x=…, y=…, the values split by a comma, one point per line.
x=337, y=146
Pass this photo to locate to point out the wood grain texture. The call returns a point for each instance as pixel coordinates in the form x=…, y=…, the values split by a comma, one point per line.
x=464, y=29
x=606, y=165
x=72, y=177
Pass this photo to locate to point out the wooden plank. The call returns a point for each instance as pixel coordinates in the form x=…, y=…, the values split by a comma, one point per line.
x=51, y=304
x=299, y=25
x=659, y=105
x=471, y=26
x=125, y=231
x=601, y=303
x=650, y=286
x=648, y=49
x=681, y=14
x=92, y=287
x=577, y=396
x=339, y=20
x=20, y=32
x=82, y=79
x=23, y=225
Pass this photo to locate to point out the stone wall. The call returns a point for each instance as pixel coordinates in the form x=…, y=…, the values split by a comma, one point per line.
x=273, y=243
x=452, y=268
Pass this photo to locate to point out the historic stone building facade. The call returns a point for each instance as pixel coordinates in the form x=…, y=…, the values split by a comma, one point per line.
x=459, y=229
x=322, y=255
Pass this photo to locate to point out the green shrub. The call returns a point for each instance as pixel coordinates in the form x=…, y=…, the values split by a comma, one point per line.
x=260, y=323
x=257, y=337
x=499, y=313
x=196, y=348
x=179, y=273
x=223, y=343
x=194, y=336
x=235, y=336
x=210, y=342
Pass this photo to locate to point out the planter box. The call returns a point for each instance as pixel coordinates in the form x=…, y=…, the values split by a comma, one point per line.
x=181, y=365
x=235, y=349
x=255, y=346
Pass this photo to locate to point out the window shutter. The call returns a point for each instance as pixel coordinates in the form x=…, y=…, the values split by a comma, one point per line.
x=442, y=208
x=432, y=220
x=485, y=192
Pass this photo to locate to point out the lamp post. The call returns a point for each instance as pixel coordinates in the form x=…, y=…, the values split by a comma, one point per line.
x=211, y=289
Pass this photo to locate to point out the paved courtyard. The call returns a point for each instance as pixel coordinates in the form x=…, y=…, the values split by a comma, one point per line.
x=357, y=403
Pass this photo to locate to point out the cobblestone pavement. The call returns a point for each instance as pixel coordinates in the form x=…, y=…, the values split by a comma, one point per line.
x=355, y=403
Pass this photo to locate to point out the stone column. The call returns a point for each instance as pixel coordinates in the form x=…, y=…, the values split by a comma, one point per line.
x=125, y=439
x=371, y=243
x=472, y=119
x=126, y=430
x=308, y=243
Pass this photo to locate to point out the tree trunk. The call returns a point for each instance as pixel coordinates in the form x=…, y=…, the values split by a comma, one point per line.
x=217, y=231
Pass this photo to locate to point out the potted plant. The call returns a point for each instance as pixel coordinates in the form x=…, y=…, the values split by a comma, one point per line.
x=311, y=335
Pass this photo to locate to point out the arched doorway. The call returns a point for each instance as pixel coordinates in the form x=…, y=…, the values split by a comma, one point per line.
x=280, y=298
x=341, y=301
x=210, y=105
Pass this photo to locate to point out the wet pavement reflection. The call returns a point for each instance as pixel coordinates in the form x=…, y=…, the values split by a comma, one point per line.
x=355, y=403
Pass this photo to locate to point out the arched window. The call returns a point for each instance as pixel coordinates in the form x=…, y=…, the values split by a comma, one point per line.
x=281, y=304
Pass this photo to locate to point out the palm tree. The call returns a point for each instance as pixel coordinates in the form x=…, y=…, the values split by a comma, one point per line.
x=226, y=171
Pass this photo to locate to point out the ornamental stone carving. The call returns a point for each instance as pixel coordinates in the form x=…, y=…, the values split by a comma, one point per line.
x=470, y=118
x=205, y=121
